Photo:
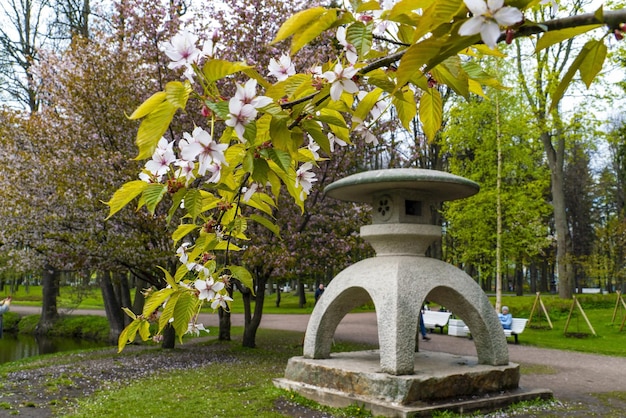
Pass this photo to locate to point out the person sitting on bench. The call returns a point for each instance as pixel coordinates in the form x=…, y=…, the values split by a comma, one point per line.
x=506, y=319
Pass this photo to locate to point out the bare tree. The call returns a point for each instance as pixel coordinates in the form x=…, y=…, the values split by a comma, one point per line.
x=23, y=32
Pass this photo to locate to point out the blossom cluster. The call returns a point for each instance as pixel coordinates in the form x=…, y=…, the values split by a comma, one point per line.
x=197, y=146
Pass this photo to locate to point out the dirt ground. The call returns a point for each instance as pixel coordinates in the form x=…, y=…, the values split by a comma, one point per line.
x=583, y=384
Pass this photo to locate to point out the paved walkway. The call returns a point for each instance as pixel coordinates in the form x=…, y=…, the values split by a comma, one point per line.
x=571, y=376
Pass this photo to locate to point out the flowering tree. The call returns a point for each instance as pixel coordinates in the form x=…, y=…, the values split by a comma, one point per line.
x=275, y=119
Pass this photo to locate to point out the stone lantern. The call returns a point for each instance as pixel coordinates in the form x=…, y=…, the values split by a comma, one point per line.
x=398, y=280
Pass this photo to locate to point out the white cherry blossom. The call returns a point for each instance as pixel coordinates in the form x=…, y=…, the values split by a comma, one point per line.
x=200, y=144
x=282, y=68
x=305, y=178
x=249, y=191
x=351, y=54
x=487, y=19
x=247, y=95
x=313, y=147
x=341, y=79
x=194, y=329
x=183, y=52
x=208, y=288
x=215, y=168
x=221, y=301
x=240, y=115
x=364, y=132
x=162, y=157
x=334, y=139
x=182, y=253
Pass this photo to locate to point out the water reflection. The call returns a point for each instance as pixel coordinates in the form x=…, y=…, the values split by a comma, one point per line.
x=18, y=346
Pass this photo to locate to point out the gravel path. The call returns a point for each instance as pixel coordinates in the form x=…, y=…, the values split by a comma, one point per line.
x=575, y=378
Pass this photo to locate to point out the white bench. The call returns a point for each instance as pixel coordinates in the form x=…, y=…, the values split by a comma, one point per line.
x=435, y=319
x=517, y=327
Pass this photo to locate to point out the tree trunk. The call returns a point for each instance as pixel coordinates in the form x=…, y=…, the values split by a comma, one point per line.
x=169, y=337
x=251, y=324
x=302, y=301
x=565, y=273
x=121, y=281
x=49, y=312
x=112, y=307
x=225, y=322
x=278, y=292
x=140, y=299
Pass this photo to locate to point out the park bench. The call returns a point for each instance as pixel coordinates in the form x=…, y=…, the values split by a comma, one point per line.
x=517, y=327
x=435, y=319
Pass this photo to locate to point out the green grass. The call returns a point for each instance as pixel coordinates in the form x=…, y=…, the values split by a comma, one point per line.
x=598, y=308
x=242, y=387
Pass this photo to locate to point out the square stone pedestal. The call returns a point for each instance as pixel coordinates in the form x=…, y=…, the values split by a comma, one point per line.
x=441, y=382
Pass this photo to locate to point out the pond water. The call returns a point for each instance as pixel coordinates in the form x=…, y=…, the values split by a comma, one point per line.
x=18, y=346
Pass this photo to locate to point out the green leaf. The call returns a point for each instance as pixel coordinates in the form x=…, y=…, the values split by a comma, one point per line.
x=452, y=74
x=431, y=112
x=593, y=62
x=149, y=105
x=177, y=198
x=315, y=130
x=152, y=129
x=153, y=194
x=554, y=37
x=219, y=108
x=168, y=310
x=296, y=22
x=406, y=107
x=306, y=34
x=186, y=307
x=367, y=103
x=128, y=335
x=415, y=59
x=367, y=6
x=125, y=195
x=261, y=220
x=261, y=168
x=440, y=12
x=281, y=158
x=177, y=93
x=155, y=301
x=193, y=203
x=144, y=330
x=181, y=272
x=168, y=277
x=217, y=69
x=360, y=36
x=182, y=231
x=263, y=202
x=243, y=275
x=571, y=71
